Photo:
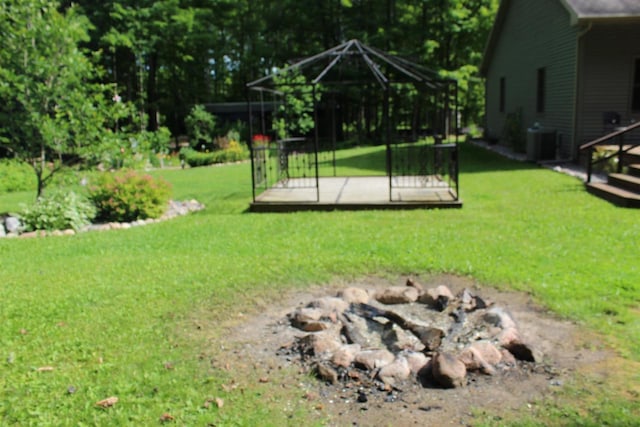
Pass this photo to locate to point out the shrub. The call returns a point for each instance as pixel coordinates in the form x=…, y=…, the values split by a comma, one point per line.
x=58, y=211
x=129, y=196
x=233, y=153
x=16, y=176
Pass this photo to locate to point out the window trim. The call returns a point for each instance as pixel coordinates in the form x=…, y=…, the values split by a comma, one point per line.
x=635, y=86
x=541, y=89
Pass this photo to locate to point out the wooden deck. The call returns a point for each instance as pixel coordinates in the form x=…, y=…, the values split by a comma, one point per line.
x=354, y=193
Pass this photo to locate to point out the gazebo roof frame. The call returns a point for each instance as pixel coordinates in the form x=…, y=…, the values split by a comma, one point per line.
x=407, y=71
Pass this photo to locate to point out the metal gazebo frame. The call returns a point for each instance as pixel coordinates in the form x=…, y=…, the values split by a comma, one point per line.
x=415, y=166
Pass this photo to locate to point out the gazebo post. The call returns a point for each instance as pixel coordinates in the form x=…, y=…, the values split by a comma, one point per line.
x=333, y=132
x=387, y=131
x=250, y=145
x=315, y=140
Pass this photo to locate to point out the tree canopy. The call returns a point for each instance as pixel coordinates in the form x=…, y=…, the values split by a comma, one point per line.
x=168, y=55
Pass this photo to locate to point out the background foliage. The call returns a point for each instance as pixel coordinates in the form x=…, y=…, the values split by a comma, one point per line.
x=167, y=55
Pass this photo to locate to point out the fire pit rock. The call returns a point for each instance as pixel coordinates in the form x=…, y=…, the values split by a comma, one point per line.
x=382, y=339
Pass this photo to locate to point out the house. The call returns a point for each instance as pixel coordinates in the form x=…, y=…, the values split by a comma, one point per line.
x=570, y=66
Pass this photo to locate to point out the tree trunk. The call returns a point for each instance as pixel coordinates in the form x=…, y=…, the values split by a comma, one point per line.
x=152, y=101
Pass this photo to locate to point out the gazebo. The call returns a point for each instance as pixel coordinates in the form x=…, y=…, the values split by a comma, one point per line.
x=300, y=115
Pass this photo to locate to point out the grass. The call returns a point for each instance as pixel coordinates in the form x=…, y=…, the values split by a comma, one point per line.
x=140, y=313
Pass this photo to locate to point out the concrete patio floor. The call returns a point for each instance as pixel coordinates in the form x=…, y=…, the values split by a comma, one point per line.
x=355, y=193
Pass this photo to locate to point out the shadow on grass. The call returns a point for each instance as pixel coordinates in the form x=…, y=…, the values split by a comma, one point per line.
x=473, y=159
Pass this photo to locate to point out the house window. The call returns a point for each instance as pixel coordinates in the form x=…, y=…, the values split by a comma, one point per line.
x=502, y=94
x=635, y=93
x=541, y=83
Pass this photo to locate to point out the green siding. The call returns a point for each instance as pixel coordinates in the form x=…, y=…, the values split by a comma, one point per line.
x=535, y=34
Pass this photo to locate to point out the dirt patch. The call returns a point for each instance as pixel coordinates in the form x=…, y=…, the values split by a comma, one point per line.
x=258, y=341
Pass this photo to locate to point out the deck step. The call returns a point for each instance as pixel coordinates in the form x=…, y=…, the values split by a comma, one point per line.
x=616, y=195
x=624, y=181
x=634, y=169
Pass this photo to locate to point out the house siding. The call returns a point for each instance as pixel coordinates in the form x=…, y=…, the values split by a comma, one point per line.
x=535, y=34
x=607, y=54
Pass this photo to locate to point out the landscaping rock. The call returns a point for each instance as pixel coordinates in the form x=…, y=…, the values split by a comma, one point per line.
x=498, y=316
x=354, y=295
x=414, y=284
x=345, y=355
x=302, y=317
x=437, y=298
x=470, y=302
x=395, y=372
x=508, y=336
x=319, y=345
x=398, y=295
x=416, y=361
x=326, y=373
x=448, y=371
x=13, y=225
x=374, y=359
x=481, y=356
x=330, y=305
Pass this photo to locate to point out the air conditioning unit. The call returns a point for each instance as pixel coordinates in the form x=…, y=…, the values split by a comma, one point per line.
x=541, y=144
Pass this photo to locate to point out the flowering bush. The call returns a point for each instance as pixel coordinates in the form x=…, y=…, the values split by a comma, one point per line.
x=260, y=139
x=58, y=211
x=129, y=196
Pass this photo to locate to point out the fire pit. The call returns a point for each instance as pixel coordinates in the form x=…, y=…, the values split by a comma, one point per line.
x=382, y=339
x=374, y=352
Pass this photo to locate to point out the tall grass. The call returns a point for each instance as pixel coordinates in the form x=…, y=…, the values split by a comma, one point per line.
x=134, y=313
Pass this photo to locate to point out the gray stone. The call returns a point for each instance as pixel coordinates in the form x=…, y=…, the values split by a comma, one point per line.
x=437, y=297
x=330, y=304
x=354, y=295
x=12, y=225
x=497, y=316
x=308, y=319
x=398, y=295
x=373, y=359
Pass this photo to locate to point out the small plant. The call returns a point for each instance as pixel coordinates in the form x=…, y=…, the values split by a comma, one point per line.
x=201, y=127
x=513, y=132
x=129, y=196
x=58, y=211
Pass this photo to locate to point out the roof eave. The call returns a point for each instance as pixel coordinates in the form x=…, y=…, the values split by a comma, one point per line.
x=590, y=19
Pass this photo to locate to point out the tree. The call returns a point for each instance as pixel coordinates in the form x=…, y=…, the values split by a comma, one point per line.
x=51, y=112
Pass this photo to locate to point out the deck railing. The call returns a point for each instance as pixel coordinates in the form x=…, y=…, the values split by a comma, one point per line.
x=290, y=163
x=425, y=166
x=614, y=139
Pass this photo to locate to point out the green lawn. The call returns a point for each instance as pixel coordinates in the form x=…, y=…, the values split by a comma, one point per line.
x=135, y=313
